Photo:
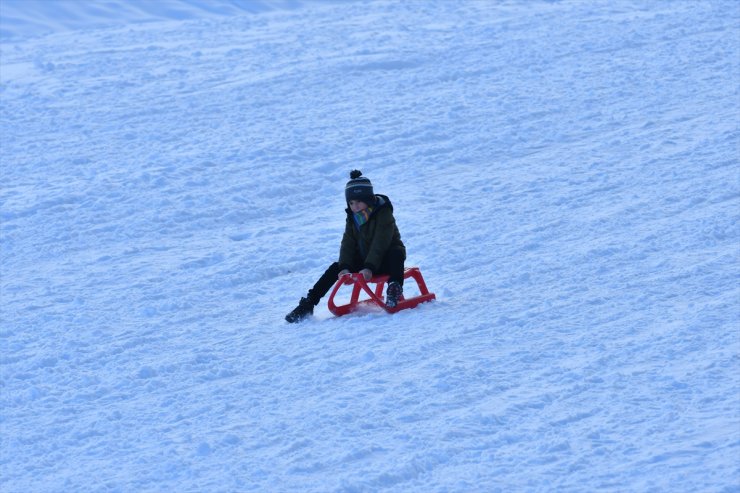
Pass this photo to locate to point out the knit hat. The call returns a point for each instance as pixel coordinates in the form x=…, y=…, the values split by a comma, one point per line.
x=359, y=188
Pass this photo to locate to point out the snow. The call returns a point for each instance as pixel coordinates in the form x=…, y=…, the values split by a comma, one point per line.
x=564, y=173
x=30, y=18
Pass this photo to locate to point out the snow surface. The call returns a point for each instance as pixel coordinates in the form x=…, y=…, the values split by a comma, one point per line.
x=566, y=174
x=30, y=18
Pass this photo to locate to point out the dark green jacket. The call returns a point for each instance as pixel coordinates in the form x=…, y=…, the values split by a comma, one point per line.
x=367, y=245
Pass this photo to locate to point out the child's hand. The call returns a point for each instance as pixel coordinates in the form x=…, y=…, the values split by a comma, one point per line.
x=343, y=272
x=367, y=274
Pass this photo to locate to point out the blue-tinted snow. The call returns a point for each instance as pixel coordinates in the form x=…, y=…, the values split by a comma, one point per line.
x=565, y=173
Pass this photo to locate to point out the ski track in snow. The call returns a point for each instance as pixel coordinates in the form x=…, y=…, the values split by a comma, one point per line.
x=565, y=174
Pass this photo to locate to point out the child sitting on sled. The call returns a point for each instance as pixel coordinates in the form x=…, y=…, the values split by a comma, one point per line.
x=371, y=245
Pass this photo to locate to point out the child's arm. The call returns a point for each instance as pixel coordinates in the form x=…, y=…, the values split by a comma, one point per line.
x=348, y=249
x=384, y=232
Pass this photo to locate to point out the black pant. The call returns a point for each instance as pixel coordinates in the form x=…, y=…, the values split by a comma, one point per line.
x=392, y=266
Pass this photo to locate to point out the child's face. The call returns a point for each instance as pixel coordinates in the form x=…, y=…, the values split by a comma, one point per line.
x=357, y=205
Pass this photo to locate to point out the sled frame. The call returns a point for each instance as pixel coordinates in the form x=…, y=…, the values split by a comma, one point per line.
x=376, y=297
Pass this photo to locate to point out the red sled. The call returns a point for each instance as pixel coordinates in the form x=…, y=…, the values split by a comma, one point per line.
x=376, y=297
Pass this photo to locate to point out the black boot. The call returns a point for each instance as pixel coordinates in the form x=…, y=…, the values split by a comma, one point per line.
x=303, y=310
x=394, y=294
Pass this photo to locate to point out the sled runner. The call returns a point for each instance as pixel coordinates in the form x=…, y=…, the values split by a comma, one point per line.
x=376, y=297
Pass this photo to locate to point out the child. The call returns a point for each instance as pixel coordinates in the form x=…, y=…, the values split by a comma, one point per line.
x=371, y=245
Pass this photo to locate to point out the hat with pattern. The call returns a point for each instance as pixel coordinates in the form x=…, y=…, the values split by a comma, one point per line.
x=359, y=188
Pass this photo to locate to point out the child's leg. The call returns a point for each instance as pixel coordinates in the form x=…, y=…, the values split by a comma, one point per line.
x=393, y=265
x=324, y=284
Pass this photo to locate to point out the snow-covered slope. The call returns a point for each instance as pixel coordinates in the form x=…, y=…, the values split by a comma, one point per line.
x=565, y=173
x=30, y=18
